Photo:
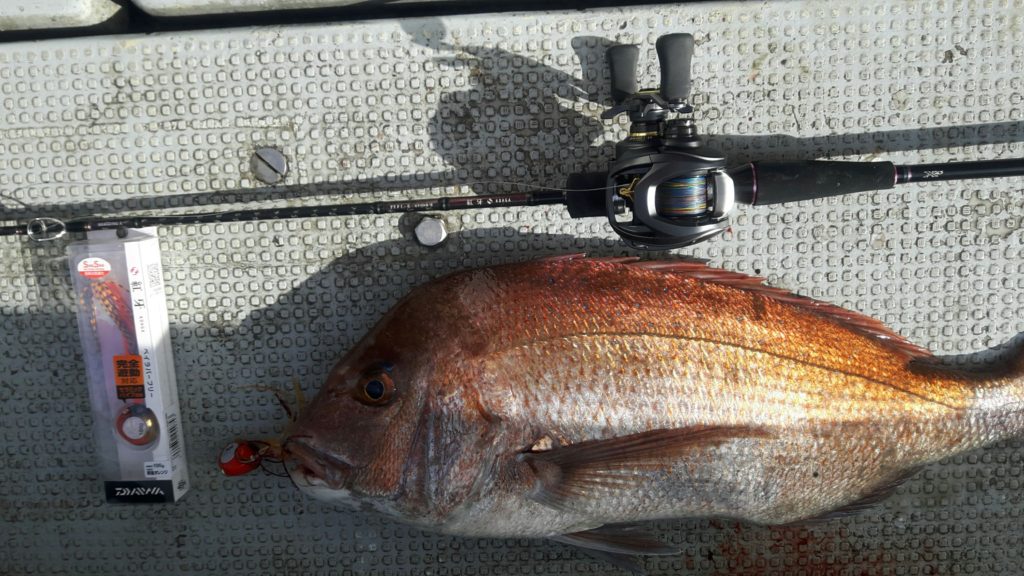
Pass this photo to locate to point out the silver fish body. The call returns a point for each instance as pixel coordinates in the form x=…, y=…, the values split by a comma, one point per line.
x=552, y=398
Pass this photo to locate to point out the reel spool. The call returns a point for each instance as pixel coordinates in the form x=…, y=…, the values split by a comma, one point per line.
x=685, y=196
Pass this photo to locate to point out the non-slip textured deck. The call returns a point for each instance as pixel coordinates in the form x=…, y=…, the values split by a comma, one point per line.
x=411, y=108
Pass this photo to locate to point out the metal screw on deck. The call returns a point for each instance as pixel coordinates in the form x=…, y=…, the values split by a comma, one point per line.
x=269, y=165
x=431, y=231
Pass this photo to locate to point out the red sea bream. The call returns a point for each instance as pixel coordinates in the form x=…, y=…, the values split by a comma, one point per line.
x=556, y=397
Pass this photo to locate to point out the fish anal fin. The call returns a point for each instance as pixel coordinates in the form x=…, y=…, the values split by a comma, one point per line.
x=867, y=500
x=567, y=473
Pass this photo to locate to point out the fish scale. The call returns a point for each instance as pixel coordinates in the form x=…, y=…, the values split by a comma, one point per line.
x=659, y=302
x=690, y=387
x=557, y=397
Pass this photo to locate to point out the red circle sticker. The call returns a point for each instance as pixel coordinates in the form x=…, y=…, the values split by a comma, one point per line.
x=94, y=267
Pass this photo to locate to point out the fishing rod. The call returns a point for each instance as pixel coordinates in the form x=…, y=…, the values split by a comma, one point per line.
x=759, y=183
x=48, y=228
x=665, y=189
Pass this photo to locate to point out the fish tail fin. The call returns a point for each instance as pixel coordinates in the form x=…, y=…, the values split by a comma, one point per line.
x=999, y=392
x=1015, y=381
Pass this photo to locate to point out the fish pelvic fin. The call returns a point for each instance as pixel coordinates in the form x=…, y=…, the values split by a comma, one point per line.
x=620, y=546
x=628, y=563
x=590, y=469
x=618, y=540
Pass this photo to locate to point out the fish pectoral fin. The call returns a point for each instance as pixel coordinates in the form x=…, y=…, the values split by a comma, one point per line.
x=596, y=467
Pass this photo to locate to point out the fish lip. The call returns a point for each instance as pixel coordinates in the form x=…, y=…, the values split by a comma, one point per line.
x=314, y=465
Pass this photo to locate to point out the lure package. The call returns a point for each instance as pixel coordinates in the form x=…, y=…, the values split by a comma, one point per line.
x=122, y=321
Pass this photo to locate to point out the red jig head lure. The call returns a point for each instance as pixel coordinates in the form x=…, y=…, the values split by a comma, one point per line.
x=243, y=456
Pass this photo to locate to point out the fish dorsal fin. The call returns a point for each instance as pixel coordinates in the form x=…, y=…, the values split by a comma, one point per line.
x=569, y=473
x=860, y=323
x=583, y=256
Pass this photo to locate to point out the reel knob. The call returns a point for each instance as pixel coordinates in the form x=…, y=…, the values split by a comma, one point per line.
x=622, y=61
x=675, y=53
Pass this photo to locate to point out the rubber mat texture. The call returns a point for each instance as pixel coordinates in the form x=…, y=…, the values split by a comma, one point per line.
x=472, y=105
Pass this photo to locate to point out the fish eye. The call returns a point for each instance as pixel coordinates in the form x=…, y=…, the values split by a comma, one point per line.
x=375, y=388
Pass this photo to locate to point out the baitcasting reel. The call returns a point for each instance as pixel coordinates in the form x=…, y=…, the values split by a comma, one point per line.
x=666, y=189
x=676, y=190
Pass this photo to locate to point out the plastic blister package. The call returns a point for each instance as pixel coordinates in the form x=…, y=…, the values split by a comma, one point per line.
x=122, y=321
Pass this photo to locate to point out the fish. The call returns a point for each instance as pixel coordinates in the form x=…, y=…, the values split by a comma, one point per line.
x=576, y=399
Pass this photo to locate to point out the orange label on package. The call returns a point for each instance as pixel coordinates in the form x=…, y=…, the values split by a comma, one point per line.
x=128, y=376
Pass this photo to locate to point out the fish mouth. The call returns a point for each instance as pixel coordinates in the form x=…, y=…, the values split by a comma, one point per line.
x=313, y=466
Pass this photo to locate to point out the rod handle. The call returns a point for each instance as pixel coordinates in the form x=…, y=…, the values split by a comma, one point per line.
x=761, y=183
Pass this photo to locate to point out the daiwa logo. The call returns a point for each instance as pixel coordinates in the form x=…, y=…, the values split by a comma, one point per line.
x=121, y=491
x=143, y=491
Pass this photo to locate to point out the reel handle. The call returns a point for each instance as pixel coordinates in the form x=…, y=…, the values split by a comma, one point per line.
x=622, y=61
x=675, y=53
